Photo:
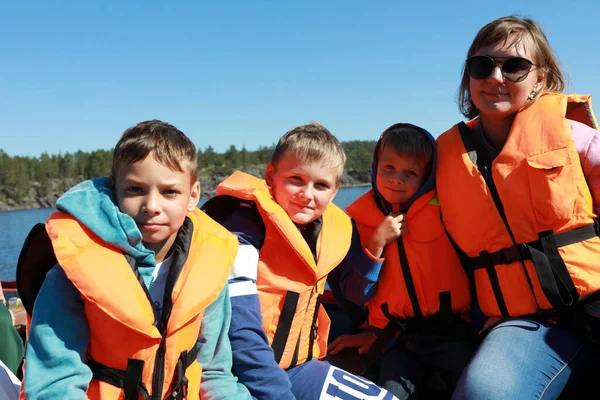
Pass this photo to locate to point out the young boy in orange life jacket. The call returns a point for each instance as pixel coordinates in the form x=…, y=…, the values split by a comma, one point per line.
x=135, y=302
x=417, y=293
x=291, y=236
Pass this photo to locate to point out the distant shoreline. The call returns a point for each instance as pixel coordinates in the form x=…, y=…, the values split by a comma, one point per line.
x=34, y=203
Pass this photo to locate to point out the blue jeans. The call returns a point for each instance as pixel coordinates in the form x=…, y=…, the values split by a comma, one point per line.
x=528, y=359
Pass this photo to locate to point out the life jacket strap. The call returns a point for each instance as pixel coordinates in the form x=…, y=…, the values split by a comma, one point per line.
x=130, y=380
x=386, y=337
x=445, y=322
x=288, y=311
x=552, y=272
x=314, y=329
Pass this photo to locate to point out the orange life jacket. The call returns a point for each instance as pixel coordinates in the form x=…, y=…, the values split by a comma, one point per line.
x=131, y=355
x=290, y=282
x=527, y=219
x=422, y=274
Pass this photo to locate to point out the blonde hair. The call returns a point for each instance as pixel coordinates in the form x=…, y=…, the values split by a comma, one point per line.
x=170, y=146
x=523, y=31
x=311, y=143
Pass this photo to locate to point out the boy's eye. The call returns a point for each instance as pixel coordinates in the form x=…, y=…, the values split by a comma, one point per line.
x=171, y=192
x=411, y=173
x=322, y=186
x=133, y=189
x=295, y=179
x=388, y=167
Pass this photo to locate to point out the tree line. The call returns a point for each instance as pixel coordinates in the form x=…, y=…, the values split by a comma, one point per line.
x=51, y=174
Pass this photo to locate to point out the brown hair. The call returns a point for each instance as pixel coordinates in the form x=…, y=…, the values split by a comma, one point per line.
x=523, y=31
x=311, y=142
x=409, y=141
x=170, y=146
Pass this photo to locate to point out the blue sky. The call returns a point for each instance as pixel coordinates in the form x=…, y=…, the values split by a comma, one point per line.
x=75, y=74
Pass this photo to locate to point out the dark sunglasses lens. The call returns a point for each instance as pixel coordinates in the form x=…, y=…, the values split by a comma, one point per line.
x=515, y=68
x=480, y=67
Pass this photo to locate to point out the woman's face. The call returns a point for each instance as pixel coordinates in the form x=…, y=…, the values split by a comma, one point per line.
x=496, y=97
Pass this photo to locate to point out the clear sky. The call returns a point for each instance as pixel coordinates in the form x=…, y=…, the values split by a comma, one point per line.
x=75, y=74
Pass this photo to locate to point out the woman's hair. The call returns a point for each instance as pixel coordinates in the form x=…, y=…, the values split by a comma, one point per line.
x=513, y=31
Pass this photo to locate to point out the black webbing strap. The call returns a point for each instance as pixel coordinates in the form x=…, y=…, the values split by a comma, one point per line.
x=552, y=272
x=180, y=381
x=314, y=329
x=129, y=380
x=476, y=154
x=408, y=279
x=285, y=324
x=445, y=303
x=385, y=338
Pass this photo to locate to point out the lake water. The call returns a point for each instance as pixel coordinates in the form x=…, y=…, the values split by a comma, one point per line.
x=15, y=225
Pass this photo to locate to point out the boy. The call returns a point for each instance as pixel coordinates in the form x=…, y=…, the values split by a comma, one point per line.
x=291, y=237
x=137, y=304
x=421, y=290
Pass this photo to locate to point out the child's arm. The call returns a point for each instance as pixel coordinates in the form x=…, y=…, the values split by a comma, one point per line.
x=58, y=341
x=253, y=359
x=214, y=353
x=362, y=265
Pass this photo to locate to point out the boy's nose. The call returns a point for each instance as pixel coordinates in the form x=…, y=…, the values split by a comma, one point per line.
x=307, y=192
x=151, y=206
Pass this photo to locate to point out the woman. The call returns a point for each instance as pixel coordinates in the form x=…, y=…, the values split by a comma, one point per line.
x=519, y=188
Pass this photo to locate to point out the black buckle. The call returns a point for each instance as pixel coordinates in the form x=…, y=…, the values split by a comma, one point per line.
x=484, y=260
x=180, y=392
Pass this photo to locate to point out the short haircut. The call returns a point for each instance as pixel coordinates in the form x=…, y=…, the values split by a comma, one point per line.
x=170, y=147
x=526, y=33
x=408, y=141
x=311, y=143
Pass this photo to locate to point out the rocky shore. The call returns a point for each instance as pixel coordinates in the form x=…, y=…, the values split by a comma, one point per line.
x=36, y=198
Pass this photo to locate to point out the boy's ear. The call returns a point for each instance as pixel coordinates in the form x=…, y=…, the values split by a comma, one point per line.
x=270, y=171
x=334, y=193
x=194, y=196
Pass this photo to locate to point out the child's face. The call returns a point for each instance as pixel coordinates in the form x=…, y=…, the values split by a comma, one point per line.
x=496, y=97
x=157, y=198
x=302, y=189
x=398, y=176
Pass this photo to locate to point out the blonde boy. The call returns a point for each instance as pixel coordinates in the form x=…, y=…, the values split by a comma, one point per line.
x=291, y=236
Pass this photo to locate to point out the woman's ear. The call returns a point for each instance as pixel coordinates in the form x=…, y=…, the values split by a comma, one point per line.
x=541, y=82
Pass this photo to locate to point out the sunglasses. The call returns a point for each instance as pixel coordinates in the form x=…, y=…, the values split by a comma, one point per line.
x=514, y=69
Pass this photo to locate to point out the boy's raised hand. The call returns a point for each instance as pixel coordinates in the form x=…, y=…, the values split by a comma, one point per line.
x=391, y=228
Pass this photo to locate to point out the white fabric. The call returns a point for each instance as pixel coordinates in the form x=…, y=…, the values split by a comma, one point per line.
x=246, y=263
x=243, y=288
x=159, y=280
x=242, y=278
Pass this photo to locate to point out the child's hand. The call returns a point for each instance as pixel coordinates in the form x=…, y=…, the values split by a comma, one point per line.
x=391, y=228
x=363, y=341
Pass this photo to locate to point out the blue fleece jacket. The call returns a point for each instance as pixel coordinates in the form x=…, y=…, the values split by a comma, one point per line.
x=59, y=333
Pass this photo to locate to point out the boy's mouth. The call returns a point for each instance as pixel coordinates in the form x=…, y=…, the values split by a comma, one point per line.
x=150, y=227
